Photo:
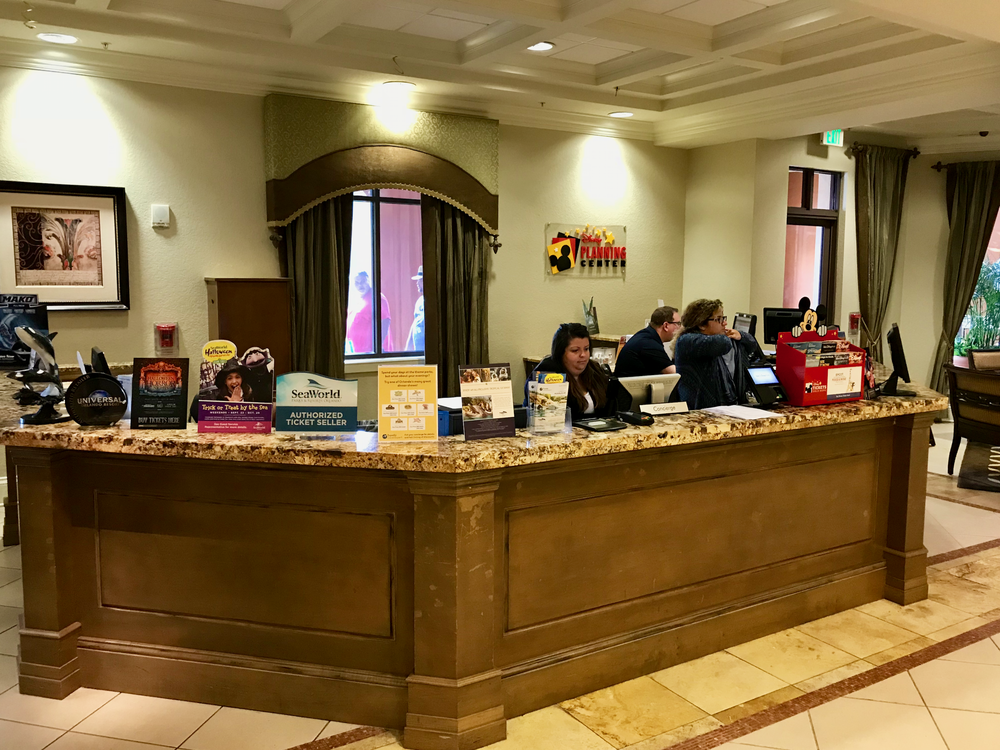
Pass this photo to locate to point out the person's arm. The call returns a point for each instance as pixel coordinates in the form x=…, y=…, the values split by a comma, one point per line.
x=748, y=344
x=700, y=346
x=669, y=370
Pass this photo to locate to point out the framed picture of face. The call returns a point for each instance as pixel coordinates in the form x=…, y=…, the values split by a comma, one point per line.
x=66, y=243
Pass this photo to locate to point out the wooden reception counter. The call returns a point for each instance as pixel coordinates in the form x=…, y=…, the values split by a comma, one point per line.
x=446, y=587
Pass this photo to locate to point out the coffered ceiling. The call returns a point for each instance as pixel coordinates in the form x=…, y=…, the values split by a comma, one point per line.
x=692, y=72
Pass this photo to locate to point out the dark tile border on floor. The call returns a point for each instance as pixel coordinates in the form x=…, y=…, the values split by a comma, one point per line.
x=766, y=718
x=963, y=552
x=339, y=740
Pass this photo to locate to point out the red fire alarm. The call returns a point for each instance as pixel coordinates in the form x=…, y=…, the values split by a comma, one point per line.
x=165, y=338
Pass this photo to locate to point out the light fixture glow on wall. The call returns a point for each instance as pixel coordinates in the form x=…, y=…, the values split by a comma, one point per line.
x=392, y=103
x=541, y=47
x=57, y=38
x=621, y=115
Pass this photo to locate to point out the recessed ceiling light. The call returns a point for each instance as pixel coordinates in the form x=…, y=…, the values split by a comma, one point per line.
x=541, y=47
x=58, y=38
x=399, y=85
x=619, y=114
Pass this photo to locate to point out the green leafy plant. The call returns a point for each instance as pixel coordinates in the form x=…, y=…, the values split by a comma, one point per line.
x=984, y=313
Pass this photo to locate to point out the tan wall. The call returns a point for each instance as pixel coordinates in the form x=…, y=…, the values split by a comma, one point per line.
x=199, y=151
x=917, y=299
x=548, y=176
x=719, y=224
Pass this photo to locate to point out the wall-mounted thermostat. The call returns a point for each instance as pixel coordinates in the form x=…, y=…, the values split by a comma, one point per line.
x=161, y=215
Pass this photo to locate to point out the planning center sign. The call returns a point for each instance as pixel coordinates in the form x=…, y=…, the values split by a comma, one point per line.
x=314, y=403
x=589, y=251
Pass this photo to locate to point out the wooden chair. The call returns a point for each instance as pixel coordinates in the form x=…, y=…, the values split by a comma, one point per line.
x=975, y=407
x=984, y=359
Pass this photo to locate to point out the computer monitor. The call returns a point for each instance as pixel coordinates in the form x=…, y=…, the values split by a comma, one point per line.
x=778, y=319
x=650, y=389
x=899, y=368
x=745, y=323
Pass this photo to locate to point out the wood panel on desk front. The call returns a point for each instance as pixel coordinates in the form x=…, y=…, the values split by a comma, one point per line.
x=616, y=567
x=211, y=577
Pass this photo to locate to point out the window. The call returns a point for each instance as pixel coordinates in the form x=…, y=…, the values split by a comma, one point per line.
x=386, y=276
x=980, y=328
x=810, y=237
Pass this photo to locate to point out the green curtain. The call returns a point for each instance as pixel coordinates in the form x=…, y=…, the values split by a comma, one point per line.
x=880, y=181
x=318, y=258
x=973, y=196
x=456, y=278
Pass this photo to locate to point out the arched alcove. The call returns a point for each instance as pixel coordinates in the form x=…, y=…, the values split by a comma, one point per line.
x=379, y=166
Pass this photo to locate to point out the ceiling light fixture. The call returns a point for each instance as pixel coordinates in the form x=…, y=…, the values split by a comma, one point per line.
x=619, y=114
x=541, y=47
x=58, y=38
x=399, y=85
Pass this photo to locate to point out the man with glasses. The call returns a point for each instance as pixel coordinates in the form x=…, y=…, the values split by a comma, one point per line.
x=645, y=353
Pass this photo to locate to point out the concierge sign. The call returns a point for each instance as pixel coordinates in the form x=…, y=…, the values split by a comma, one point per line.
x=591, y=251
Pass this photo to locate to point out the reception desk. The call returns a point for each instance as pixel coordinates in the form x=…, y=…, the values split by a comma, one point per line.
x=446, y=587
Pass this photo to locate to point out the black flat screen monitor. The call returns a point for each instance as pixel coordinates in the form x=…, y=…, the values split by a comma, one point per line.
x=899, y=369
x=778, y=319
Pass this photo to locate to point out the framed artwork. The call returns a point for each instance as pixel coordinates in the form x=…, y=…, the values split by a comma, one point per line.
x=66, y=243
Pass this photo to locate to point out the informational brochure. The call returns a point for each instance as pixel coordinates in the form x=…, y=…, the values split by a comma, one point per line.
x=407, y=403
x=487, y=401
x=741, y=412
x=313, y=403
x=159, y=393
x=17, y=310
x=548, y=403
x=236, y=392
x=844, y=382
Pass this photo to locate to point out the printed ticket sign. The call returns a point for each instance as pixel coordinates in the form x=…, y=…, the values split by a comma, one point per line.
x=235, y=392
x=159, y=393
x=487, y=401
x=313, y=403
x=407, y=403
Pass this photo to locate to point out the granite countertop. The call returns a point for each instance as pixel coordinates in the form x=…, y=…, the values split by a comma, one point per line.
x=450, y=454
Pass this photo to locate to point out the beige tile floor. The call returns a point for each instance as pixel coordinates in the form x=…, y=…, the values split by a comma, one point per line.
x=952, y=703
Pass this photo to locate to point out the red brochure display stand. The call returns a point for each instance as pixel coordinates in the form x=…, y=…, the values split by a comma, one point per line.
x=816, y=369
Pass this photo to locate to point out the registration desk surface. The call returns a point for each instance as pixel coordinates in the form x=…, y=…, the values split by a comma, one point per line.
x=445, y=587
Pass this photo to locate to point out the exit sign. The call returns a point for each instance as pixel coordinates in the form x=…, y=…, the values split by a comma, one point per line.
x=833, y=138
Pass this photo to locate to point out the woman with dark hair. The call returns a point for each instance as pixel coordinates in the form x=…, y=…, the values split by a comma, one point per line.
x=711, y=358
x=591, y=391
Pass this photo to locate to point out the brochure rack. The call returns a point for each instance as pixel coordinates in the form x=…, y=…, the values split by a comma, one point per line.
x=816, y=369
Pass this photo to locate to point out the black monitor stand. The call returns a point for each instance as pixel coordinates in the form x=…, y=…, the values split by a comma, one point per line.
x=888, y=388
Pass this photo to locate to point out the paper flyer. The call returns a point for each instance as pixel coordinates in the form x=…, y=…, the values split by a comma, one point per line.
x=159, y=393
x=18, y=310
x=548, y=402
x=407, y=403
x=313, y=403
x=487, y=401
x=236, y=392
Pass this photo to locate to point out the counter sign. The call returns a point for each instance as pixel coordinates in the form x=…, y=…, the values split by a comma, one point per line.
x=308, y=402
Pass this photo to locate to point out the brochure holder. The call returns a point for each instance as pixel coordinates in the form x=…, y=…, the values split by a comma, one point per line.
x=816, y=370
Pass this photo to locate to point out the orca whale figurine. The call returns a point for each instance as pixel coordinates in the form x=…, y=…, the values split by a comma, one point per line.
x=43, y=370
